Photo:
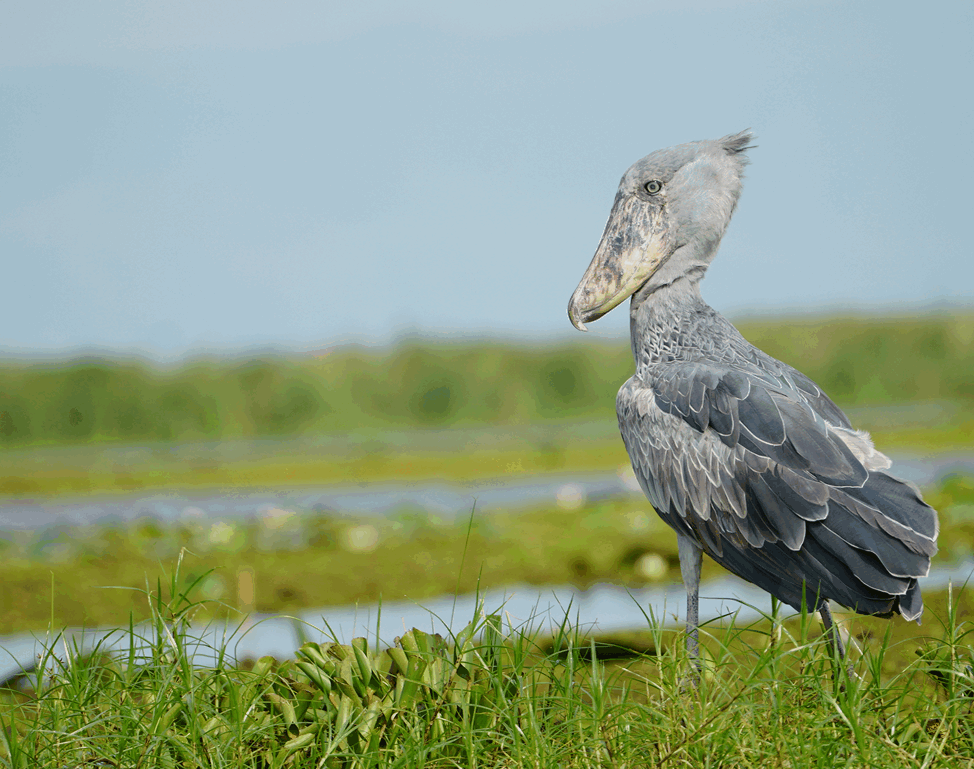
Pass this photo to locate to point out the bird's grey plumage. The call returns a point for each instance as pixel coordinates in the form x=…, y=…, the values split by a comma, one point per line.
x=745, y=457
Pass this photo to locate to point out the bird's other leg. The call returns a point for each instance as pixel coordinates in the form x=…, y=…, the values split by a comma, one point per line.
x=831, y=631
x=691, y=558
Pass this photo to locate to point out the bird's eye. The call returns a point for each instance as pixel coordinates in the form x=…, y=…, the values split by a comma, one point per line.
x=653, y=187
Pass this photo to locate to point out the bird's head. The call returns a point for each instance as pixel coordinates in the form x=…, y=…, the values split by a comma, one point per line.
x=669, y=215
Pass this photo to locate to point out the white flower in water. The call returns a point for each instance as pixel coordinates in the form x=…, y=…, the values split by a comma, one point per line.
x=191, y=513
x=213, y=587
x=361, y=539
x=221, y=533
x=638, y=520
x=276, y=517
x=571, y=496
x=651, y=567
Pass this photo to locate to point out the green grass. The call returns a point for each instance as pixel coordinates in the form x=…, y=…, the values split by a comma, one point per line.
x=516, y=699
x=495, y=696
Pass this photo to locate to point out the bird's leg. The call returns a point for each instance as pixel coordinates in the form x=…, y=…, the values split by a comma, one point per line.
x=834, y=639
x=691, y=558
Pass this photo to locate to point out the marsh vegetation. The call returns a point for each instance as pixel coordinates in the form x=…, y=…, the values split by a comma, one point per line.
x=495, y=694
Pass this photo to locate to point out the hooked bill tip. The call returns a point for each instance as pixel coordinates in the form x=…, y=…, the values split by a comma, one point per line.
x=577, y=323
x=573, y=316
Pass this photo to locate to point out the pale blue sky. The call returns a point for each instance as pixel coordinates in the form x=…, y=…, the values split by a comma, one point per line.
x=181, y=176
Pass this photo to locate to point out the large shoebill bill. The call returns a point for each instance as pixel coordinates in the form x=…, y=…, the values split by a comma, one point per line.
x=745, y=457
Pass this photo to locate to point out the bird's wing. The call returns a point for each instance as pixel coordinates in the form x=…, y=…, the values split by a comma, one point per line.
x=754, y=464
x=767, y=413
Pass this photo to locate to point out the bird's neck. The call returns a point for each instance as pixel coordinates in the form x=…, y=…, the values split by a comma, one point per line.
x=659, y=321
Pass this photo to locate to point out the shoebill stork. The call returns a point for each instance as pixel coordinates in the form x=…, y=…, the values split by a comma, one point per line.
x=745, y=457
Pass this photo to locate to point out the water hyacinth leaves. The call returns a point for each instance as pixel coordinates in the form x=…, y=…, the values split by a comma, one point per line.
x=333, y=703
x=336, y=698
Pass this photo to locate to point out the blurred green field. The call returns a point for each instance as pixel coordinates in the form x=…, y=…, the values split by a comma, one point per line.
x=858, y=361
x=430, y=410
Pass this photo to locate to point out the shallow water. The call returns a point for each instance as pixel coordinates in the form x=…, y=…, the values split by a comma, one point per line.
x=438, y=498
x=601, y=609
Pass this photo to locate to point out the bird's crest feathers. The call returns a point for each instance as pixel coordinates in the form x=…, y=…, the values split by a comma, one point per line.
x=735, y=144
